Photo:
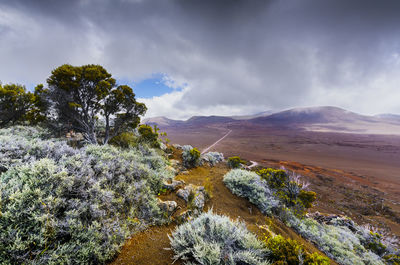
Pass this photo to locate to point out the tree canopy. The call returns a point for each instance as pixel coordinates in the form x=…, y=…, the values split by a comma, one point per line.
x=17, y=105
x=84, y=96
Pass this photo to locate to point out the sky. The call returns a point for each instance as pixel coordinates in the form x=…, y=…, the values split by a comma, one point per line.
x=215, y=57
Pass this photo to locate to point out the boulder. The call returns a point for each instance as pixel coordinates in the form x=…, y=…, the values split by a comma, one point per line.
x=167, y=206
x=173, y=185
x=334, y=219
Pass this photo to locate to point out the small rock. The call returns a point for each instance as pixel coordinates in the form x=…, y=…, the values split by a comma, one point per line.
x=185, y=172
x=177, y=146
x=332, y=219
x=173, y=185
x=186, y=215
x=167, y=206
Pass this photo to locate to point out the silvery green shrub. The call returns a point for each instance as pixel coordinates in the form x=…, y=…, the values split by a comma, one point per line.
x=249, y=185
x=212, y=158
x=215, y=239
x=60, y=205
x=336, y=241
x=190, y=156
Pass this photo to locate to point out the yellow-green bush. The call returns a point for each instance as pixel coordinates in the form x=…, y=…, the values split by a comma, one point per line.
x=235, y=162
x=288, y=188
x=125, y=140
x=290, y=252
x=307, y=198
x=190, y=156
x=276, y=178
x=147, y=134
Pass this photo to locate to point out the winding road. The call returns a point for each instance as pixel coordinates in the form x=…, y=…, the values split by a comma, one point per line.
x=211, y=146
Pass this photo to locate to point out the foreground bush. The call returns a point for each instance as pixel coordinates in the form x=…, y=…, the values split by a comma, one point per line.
x=215, y=239
x=336, y=240
x=190, y=156
x=212, y=158
x=73, y=206
x=290, y=252
x=249, y=185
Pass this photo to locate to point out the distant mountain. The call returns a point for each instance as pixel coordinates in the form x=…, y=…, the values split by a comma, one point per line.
x=253, y=116
x=322, y=119
x=162, y=121
x=206, y=120
x=311, y=115
x=389, y=117
x=193, y=121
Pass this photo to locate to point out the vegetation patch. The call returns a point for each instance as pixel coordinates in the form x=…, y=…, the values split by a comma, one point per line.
x=212, y=158
x=289, y=252
x=73, y=206
x=190, y=156
x=249, y=185
x=235, y=162
x=215, y=239
x=341, y=239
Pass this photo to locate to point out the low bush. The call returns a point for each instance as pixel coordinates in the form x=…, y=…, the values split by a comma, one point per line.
x=380, y=242
x=235, y=162
x=336, y=241
x=215, y=239
x=249, y=185
x=289, y=189
x=124, y=140
x=148, y=135
x=290, y=252
x=190, y=156
x=61, y=205
x=212, y=158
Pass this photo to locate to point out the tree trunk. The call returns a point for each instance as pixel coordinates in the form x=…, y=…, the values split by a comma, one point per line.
x=107, y=134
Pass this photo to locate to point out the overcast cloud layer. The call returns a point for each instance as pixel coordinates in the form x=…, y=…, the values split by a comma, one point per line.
x=224, y=57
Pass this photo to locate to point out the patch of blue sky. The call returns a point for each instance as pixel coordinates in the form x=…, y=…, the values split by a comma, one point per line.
x=156, y=85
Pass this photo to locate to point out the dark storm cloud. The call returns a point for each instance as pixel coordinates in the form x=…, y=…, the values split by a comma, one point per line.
x=234, y=55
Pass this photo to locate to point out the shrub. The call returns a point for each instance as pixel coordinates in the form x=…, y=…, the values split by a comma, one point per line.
x=336, y=241
x=212, y=158
x=276, y=178
x=249, y=185
x=124, y=140
x=380, y=242
x=215, y=239
x=235, y=162
x=190, y=156
x=289, y=189
x=290, y=252
x=148, y=135
x=74, y=206
x=307, y=198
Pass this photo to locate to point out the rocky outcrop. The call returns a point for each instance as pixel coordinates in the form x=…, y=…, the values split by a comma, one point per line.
x=333, y=219
x=173, y=185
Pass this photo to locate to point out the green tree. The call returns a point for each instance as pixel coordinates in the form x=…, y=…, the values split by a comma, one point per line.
x=19, y=105
x=83, y=95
